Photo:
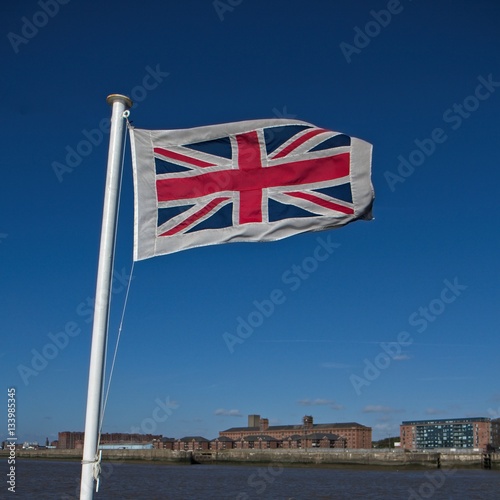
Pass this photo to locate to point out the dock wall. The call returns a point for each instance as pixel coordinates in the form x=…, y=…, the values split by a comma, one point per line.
x=383, y=458
x=386, y=458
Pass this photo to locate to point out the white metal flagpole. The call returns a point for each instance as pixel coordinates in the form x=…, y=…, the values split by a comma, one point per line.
x=119, y=104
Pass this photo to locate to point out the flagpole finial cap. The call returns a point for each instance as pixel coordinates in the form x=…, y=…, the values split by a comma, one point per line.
x=119, y=98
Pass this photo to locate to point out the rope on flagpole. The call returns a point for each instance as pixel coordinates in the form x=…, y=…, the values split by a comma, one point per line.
x=120, y=328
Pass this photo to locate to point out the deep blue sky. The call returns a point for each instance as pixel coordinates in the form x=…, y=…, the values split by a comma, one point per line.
x=256, y=59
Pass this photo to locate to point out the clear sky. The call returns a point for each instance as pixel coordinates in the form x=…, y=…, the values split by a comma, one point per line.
x=401, y=322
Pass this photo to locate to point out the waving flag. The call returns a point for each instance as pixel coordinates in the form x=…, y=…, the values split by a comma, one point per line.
x=259, y=180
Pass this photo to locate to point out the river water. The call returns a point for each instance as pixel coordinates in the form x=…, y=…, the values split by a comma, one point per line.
x=43, y=479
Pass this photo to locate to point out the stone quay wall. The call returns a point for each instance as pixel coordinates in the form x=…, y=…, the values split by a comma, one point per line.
x=383, y=458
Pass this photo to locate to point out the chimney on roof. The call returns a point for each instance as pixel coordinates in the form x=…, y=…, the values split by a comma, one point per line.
x=307, y=421
x=264, y=424
x=253, y=420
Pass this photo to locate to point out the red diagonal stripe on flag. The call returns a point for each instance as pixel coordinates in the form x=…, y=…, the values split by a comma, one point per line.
x=196, y=216
x=295, y=144
x=324, y=203
x=184, y=158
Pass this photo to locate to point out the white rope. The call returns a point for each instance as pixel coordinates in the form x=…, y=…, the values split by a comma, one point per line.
x=97, y=470
x=120, y=328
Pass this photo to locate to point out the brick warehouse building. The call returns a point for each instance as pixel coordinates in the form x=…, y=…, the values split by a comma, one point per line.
x=446, y=433
x=338, y=435
x=74, y=440
x=70, y=440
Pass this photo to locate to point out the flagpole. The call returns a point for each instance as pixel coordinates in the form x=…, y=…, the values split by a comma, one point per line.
x=119, y=104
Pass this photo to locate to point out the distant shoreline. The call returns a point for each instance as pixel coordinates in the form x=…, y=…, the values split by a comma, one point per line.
x=397, y=459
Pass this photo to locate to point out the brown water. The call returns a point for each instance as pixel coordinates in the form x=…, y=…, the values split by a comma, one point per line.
x=37, y=479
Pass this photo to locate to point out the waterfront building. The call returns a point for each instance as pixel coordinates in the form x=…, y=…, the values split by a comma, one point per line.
x=305, y=435
x=495, y=433
x=164, y=443
x=192, y=443
x=222, y=443
x=456, y=433
x=74, y=440
x=70, y=440
x=315, y=440
x=258, y=442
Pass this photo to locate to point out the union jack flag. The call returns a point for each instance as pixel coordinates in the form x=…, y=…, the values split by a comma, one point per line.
x=247, y=181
